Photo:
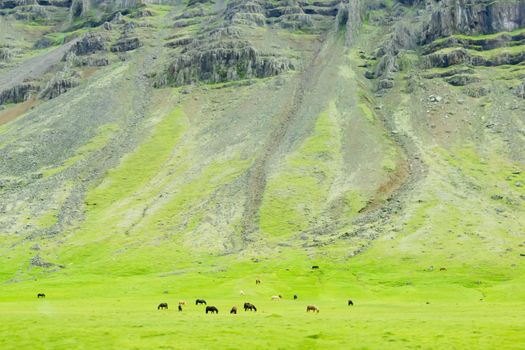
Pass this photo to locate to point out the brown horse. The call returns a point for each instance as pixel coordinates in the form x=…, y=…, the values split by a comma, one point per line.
x=212, y=309
x=200, y=301
x=249, y=306
x=162, y=306
x=312, y=308
x=182, y=302
x=40, y=295
x=295, y=297
x=257, y=281
x=233, y=310
x=350, y=302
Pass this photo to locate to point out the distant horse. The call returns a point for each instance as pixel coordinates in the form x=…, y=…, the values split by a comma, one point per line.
x=295, y=297
x=200, y=301
x=276, y=297
x=40, y=295
x=249, y=306
x=257, y=281
x=312, y=308
x=162, y=306
x=350, y=302
x=241, y=292
x=180, y=308
x=315, y=267
x=182, y=302
x=443, y=269
x=212, y=309
x=233, y=310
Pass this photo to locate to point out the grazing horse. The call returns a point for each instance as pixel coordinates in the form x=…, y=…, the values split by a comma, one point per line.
x=233, y=310
x=182, y=302
x=350, y=302
x=312, y=308
x=212, y=309
x=295, y=297
x=180, y=308
x=443, y=269
x=241, y=292
x=200, y=301
x=276, y=297
x=315, y=267
x=257, y=281
x=249, y=306
x=162, y=306
x=40, y=295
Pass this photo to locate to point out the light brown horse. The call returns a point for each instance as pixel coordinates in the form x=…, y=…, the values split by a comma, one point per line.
x=182, y=302
x=312, y=308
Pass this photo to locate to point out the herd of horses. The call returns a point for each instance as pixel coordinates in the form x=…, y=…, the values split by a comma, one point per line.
x=247, y=306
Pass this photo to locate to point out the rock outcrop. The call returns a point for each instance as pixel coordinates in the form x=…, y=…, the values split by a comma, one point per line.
x=18, y=93
x=474, y=17
x=223, y=61
x=89, y=43
x=126, y=44
x=59, y=84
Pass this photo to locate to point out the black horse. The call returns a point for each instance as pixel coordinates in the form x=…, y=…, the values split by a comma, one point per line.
x=212, y=309
x=233, y=310
x=200, y=301
x=315, y=267
x=350, y=302
x=40, y=295
x=162, y=306
x=180, y=308
x=249, y=306
x=295, y=297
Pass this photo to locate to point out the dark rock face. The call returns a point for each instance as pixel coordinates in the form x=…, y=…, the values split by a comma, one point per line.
x=89, y=43
x=18, y=93
x=473, y=17
x=126, y=44
x=60, y=84
x=222, y=62
x=447, y=58
x=462, y=80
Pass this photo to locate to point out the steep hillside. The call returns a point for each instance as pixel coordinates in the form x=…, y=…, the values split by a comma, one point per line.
x=151, y=147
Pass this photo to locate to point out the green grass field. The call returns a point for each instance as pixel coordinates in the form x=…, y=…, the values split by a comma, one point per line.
x=398, y=305
x=120, y=313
